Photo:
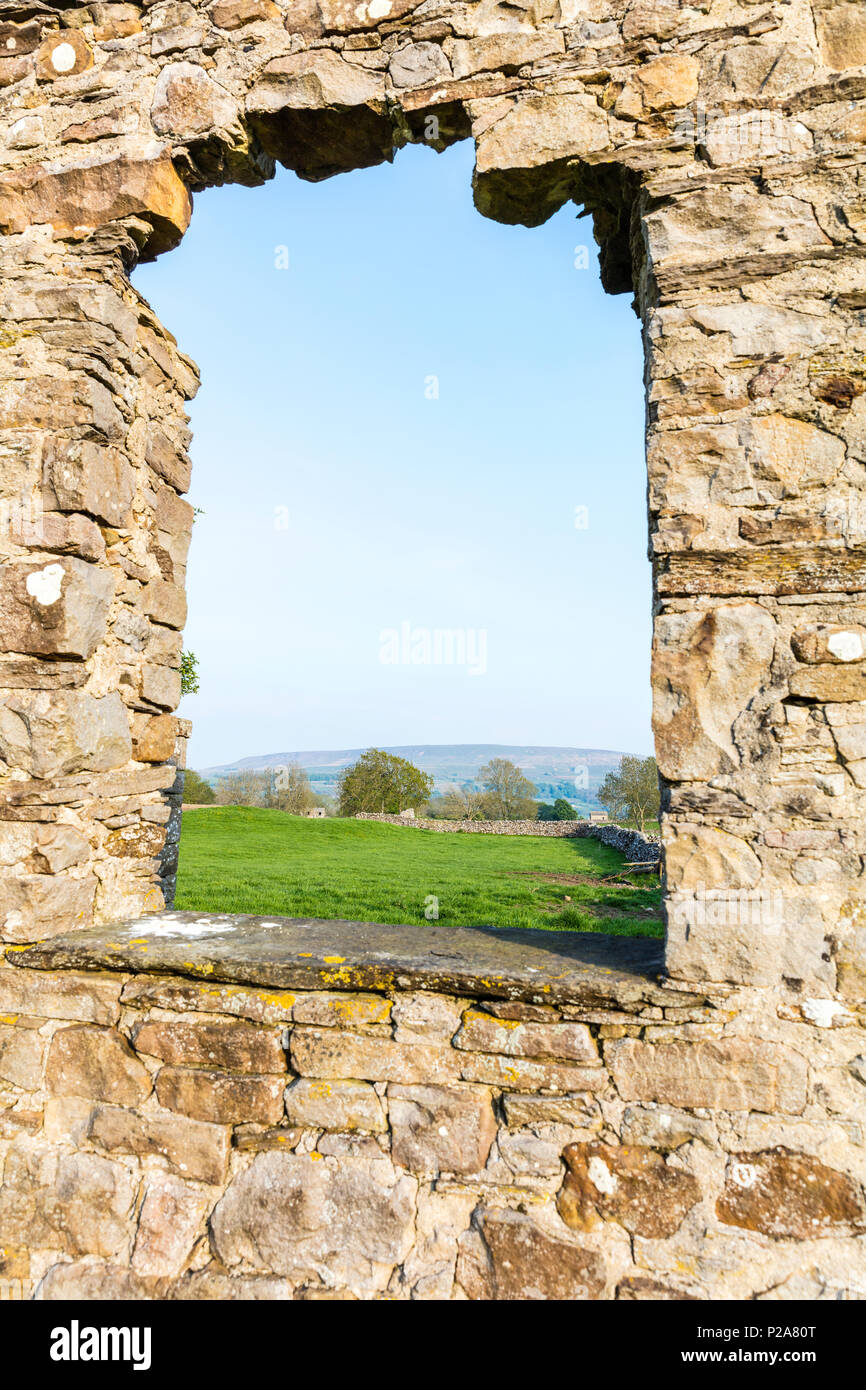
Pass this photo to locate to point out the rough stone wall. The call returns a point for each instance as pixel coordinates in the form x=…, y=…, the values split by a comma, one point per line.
x=719, y=148
x=635, y=846
x=179, y=1138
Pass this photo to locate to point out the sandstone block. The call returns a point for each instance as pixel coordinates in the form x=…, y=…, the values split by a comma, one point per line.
x=578, y=1111
x=155, y=739
x=842, y=35
x=698, y=858
x=168, y=460
x=441, y=1129
x=172, y=1218
x=520, y=1074
x=89, y=1282
x=104, y=191
x=426, y=1016
x=507, y=1257
x=633, y=1186
x=188, y=103
x=54, y=609
x=332, y=1054
x=660, y=85
x=233, y=14
x=340, y=1010
x=785, y=1194
x=192, y=1149
x=483, y=1033
x=165, y=603
x=161, y=685
x=36, y=906
x=293, y=1215
x=219, y=1097
x=62, y=732
x=241, y=1001
x=728, y=1074
x=80, y=1203
x=707, y=669
x=96, y=1063
x=51, y=994
x=21, y=1056
x=502, y=52
x=419, y=65
x=337, y=1105
x=240, y=1047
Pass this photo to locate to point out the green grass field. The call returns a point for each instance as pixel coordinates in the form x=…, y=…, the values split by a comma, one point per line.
x=235, y=859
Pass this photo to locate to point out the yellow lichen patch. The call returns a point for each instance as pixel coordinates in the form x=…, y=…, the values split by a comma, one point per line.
x=305, y=955
x=315, y=1154
x=320, y=1090
x=334, y=960
x=9, y=1018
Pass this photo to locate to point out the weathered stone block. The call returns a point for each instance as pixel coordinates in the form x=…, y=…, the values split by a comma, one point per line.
x=792, y=1195
x=41, y=905
x=633, y=1186
x=257, y=1005
x=520, y=1074
x=333, y=1054
x=508, y=1257
x=86, y=477
x=338, y=1105
x=79, y=1202
x=102, y=191
x=192, y=1149
x=240, y=1047
x=441, y=1129
x=293, y=1215
x=172, y=1218
x=482, y=1033
x=55, y=994
x=340, y=1010
x=219, y=1097
x=580, y=1111
x=730, y=1074
x=67, y=731
x=22, y=1052
x=154, y=741
x=96, y=1063
x=58, y=608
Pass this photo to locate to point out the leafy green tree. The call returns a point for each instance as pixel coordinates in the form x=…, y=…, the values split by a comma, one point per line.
x=189, y=679
x=508, y=795
x=380, y=781
x=545, y=811
x=196, y=790
x=632, y=792
x=563, y=810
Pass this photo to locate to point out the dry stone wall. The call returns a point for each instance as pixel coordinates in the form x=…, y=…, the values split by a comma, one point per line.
x=633, y=844
x=563, y=1127
x=719, y=148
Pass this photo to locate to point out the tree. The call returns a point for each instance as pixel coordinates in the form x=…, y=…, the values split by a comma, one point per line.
x=245, y=788
x=291, y=791
x=379, y=781
x=196, y=790
x=508, y=794
x=460, y=803
x=632, y=792
x=545, y=811
x=189, y=680
x=563, y=810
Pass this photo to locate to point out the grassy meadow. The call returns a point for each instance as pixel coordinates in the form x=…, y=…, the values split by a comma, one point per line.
x=238, y=859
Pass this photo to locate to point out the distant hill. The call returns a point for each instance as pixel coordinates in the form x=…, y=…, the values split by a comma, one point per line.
x=575, y=773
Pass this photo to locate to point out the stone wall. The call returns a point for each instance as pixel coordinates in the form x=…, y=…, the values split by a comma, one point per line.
x=637, y=847
x=335, y=1113
x=719, y=149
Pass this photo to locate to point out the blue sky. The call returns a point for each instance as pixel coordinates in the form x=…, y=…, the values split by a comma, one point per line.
x=350, y=511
